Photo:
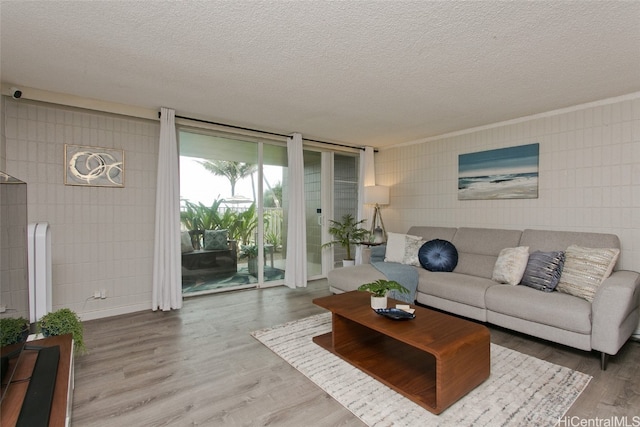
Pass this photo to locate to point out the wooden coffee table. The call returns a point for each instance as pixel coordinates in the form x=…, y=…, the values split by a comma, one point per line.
x=434, y=359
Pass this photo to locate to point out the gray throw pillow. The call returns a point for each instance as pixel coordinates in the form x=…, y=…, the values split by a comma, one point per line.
x=377, y=253
x=543, y=270
x=185, y=242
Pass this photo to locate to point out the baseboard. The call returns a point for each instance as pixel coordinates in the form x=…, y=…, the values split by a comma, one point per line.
x=116, y=311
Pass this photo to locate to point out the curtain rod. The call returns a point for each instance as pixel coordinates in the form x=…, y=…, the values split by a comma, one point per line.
x=262, y=131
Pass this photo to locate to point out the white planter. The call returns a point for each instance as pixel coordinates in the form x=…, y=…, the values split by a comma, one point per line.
x=378, y=302
x=348, y=262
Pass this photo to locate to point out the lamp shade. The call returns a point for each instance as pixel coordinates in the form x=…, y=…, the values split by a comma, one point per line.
x=376, y=194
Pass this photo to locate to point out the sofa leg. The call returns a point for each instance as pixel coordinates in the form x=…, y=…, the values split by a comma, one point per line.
x=604, y=357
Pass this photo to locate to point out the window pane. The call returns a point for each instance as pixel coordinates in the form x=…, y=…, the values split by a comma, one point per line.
x=274, y=175
x=218, y=212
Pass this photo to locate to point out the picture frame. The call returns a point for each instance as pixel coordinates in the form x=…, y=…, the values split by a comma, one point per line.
x=93, y=166
x=503, y=173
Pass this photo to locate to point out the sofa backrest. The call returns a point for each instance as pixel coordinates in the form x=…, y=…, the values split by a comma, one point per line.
x=478, y=248
x=549, y=240
x=429, y=233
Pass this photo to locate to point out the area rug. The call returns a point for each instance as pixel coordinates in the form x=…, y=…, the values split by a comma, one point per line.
x=521, y=390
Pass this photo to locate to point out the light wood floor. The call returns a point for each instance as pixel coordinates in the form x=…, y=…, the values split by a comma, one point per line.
x=200, y=366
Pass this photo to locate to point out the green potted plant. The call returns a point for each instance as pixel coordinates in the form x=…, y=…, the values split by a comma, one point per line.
x=61, y=322
x=13, y=330
x=251, y=253
x=347, y=233
x=379, y=290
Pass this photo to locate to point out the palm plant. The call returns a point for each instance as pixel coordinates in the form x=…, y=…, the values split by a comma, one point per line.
x=346, y=233
x=245, y=225
x=233, y=171
x=190, y=216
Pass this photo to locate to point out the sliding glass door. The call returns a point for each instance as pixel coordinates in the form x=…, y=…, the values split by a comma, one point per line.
x=232, y=215
x=345, y=195
x=234, y=210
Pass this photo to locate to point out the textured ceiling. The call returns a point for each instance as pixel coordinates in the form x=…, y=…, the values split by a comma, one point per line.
x=366, y=73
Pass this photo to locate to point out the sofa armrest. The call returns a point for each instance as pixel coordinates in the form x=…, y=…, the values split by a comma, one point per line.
x=615, y=311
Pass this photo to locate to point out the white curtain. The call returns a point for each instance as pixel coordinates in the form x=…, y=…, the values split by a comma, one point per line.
x=367, y=177
x=295, y=274
x=167, y=280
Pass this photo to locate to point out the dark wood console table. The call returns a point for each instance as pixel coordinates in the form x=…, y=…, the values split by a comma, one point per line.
x=63, y=393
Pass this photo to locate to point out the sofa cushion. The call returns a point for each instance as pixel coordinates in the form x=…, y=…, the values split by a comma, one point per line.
x=347, y=279
x=543, y=270
x=461, y=288
x=478, y=249
x=553, y=240
x=549, y=308
x=438, y=255
x=510, y=265
x=429, y=233
x=585, y=269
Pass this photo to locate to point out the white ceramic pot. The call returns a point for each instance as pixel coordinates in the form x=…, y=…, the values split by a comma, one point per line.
x=378, y=302
x=348, y=262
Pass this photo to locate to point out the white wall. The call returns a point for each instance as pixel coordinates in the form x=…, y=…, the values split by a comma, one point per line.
x=589, y=177
x=102, y=238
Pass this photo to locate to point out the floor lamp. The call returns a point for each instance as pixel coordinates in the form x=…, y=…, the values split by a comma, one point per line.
x=377, y=195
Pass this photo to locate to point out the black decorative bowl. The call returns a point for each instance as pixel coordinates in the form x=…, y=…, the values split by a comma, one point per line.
x=395, y=313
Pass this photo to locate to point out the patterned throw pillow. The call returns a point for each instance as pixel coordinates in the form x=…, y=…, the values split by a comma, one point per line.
x=411, y=248
x=216, y=240
x=510, y=265
x=438, y=255
x=396, y=244
x=543, y=270
x=585, y=269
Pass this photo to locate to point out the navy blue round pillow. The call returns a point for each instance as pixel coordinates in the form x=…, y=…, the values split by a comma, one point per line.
x=438, y=255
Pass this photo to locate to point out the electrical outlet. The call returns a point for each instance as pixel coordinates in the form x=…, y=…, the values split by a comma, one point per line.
x=96, y=294
x=3, y=308
x=103, y=293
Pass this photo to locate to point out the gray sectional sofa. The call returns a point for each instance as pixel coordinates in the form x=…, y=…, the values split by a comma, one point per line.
x=603, y=325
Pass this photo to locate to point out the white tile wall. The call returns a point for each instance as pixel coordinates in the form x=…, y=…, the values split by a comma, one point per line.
x=102, y=238
x=14, y=294
x=589, y=177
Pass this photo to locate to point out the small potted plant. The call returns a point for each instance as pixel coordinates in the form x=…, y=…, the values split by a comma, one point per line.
x=61, y=322
x=379, y=290
x=13, y=330
x=347, y=233
x=251, y=253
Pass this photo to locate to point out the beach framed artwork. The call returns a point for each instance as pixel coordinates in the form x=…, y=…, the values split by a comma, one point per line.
x=504, y=173
x=93, y=166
